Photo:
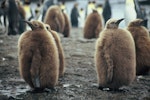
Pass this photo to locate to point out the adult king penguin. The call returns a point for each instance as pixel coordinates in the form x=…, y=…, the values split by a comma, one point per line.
x=106, y=11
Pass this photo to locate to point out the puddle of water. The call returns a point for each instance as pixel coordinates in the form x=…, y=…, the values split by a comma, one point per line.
x=1, y=41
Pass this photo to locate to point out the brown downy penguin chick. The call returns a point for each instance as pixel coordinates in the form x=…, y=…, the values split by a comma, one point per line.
x=67, y=26
x=142, y=46
x=54, y=17
x=93, y=25
x=60, y=50
x=115, y=57
x=38, y=57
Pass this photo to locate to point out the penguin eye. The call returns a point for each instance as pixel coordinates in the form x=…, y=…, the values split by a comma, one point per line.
x=113, y=23
x=47, y=27
x=36, y=25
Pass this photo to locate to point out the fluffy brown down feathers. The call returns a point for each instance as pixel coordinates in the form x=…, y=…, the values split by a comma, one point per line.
x=38, y=57
x=60, y=50
x=54, y=17
x=115, y=56
x=142, y=46
x=93, y=25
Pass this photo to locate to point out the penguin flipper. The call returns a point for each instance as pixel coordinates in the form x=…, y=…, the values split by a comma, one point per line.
x=58, y=25
x=97, y=30
x=35, y=68
x=110, y=66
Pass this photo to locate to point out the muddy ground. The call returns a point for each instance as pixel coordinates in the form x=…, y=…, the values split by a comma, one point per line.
x=79, y=81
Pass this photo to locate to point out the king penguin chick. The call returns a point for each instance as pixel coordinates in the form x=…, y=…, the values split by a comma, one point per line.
x=142, y=45
x=54, y=17
x=115, y=57
x=38, y=57
x=67, y=26
x=60, y=50
x=93, y=25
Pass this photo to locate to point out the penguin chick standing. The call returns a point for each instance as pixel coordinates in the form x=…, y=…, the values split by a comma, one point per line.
x=60, y=50
x=66, y=31
x=38, y=57
x=93, y=25
x=115, y=56
x=54, y=17
x=142, y=45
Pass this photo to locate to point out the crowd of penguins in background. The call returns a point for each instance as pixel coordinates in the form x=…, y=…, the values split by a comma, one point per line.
x=120, y=54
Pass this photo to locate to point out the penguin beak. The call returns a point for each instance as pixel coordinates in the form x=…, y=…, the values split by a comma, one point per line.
x=3, y=4
x=29, y=23
x=118, y=21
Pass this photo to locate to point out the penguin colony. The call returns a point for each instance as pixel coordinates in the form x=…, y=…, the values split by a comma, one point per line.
x=41, y=56
x=142, y=45
x=93, y=25
x=115, y=56
x=38, y=57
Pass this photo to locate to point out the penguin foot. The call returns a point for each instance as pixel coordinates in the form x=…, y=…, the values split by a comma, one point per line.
x=100, y=87
x=114, y=89
x=118, y=90
x=36, y=90
x=49, y=90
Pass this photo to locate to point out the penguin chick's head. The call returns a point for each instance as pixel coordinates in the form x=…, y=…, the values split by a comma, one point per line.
x=35, y=25
x=112, y=23
x=48, y=27
x=136, y=22
x=94, y=10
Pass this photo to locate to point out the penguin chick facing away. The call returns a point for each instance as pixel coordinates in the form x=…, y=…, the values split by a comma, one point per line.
x=54, y=17
x=93, y=25
x=38, y=57
x=115, y=57
x=142, y=46
x=67, y=26
x=60, y=50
